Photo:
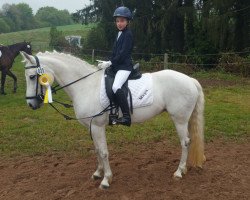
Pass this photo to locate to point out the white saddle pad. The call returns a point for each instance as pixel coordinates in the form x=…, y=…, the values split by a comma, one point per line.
x=141, y=90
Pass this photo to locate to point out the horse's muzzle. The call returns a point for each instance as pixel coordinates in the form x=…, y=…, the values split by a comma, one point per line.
x=34, y=107
x=35, y=102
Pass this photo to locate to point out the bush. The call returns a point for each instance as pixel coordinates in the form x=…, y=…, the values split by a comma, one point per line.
x=204, y=55
x=96, y=39
x=154, y=64
x=235, y=64
x=57, y=40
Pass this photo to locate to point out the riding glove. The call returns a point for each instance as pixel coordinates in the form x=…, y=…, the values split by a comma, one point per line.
x=103, y=64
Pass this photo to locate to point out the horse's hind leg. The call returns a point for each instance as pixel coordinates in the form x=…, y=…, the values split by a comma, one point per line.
x=14, y=78
x=99, y=138
x=3, y=81
x=182, y=129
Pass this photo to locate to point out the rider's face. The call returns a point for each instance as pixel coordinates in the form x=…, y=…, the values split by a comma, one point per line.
x=121, y=23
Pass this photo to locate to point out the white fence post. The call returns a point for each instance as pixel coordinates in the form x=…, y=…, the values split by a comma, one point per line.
x=165, y=60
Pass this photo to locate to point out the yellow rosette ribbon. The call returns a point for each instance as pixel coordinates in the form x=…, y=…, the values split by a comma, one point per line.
x=47, y=80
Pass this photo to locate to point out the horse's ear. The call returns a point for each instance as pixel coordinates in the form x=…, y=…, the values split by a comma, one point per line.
x=28, y=58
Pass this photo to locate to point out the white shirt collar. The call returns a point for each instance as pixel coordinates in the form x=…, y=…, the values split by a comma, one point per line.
x=119, y=34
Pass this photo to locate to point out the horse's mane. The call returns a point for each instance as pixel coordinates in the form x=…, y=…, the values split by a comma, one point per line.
x=67, y=57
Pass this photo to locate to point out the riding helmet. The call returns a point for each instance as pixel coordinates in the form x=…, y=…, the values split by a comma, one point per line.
x=123, y=12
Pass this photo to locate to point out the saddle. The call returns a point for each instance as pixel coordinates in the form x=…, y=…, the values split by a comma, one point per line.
x=109, y=80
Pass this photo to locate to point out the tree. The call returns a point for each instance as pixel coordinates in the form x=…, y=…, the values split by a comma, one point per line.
x=27, y=20
x=242, y=23
x=4, y=27
x=13, y=15
x=49, y=16
x=86, y=15
x=189, y=21
x=18, y=17
x=177, y=24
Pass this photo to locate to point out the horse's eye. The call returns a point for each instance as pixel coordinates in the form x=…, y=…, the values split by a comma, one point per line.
x=32, y=77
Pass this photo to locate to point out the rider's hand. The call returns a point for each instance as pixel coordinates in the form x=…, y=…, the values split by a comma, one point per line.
x=103, y=64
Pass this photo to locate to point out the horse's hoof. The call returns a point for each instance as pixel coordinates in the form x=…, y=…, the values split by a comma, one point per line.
x=177, y=178
x=94, y=177
x=105, y=183
x=104, y=187
x=177, y=175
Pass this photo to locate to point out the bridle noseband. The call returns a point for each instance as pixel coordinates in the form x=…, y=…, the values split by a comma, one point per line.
x=40, y=96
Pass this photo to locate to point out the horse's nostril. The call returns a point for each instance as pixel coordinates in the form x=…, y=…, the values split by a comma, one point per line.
x=30, y=105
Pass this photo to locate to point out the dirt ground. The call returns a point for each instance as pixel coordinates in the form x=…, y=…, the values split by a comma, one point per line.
x=140, y=172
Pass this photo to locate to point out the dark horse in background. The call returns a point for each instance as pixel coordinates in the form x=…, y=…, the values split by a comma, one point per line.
x=7, y=57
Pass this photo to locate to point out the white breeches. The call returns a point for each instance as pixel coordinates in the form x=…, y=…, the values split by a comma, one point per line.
x=120, y=78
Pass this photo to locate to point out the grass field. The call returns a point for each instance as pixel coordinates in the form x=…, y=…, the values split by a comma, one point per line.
x=24, y=131
x=39, y=38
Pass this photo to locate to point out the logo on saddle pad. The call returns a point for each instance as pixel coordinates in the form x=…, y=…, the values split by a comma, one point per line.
x=141, y=90
x=141, y=97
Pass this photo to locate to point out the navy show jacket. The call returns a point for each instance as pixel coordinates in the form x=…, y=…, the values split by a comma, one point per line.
x=121, y=55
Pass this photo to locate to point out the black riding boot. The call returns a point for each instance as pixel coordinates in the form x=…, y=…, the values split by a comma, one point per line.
x=123, y=104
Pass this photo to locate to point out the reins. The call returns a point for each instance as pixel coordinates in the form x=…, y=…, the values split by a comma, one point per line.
x=108, y=108
x=55, y=89
x=73, y=118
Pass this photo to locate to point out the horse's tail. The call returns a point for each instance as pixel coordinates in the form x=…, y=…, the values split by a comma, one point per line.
x=195, y=128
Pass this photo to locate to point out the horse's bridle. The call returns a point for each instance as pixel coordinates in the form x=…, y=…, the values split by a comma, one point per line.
x=40, y=96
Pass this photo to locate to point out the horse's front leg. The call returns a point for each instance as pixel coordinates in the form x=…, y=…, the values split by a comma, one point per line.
x=99, y=138
x=9, y=73
x=99, y=171
x=3, y=80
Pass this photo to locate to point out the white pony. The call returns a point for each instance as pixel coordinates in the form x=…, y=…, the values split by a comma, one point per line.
x=181, y=96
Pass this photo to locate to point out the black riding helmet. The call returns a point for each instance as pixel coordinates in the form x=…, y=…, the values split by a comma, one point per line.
x=123, y=12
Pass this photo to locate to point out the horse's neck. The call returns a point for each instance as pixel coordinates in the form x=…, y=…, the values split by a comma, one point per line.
x=15, y=49
x=66, y=73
